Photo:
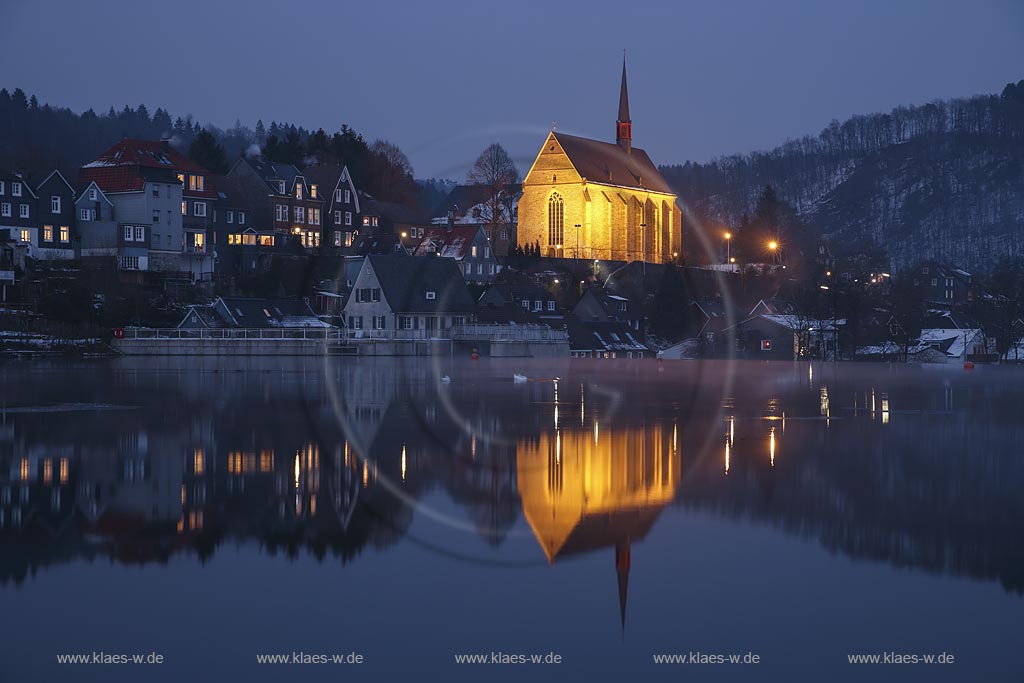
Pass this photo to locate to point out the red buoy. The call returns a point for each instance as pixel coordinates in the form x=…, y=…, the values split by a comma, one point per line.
x=969, y=365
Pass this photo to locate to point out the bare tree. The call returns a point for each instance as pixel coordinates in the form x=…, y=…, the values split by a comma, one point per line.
x=391, y=175
x=495, y=171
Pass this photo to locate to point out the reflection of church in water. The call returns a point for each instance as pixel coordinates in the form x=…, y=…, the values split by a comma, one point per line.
x=587, y=489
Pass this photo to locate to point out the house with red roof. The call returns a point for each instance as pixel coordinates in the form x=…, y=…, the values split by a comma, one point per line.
x=162, y=205
x=468, y=245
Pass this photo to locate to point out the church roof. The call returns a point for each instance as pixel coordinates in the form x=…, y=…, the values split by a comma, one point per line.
x=610, y=164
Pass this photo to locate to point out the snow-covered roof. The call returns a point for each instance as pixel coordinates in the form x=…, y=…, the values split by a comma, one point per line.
x=953, y=342
x=798, y=323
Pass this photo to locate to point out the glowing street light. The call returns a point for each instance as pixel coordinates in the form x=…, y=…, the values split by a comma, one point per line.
x=728, y=246
x=773, y=245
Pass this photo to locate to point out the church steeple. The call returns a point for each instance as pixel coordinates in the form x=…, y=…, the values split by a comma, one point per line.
x=623, y=126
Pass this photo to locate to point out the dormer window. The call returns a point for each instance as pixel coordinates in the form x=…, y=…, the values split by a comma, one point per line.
x=196, y=183
x=280, y=186
x=431, y=295
x=298, y=191
x=16, y=189
x=312, y=191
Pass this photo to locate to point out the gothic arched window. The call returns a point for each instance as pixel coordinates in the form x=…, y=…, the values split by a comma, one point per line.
x=556, y=219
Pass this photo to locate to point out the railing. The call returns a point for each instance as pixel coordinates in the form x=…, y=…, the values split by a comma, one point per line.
x=497, y=332
x=472, y=332
x=239, y=334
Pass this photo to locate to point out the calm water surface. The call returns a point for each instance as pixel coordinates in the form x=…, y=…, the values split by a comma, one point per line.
x=211, y=511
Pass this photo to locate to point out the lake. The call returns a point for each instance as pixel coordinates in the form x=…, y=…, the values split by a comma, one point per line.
x=409, y=512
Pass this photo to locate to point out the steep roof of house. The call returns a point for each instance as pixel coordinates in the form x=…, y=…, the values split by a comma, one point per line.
x=364, y=245
x=273, y=171
x=125, y=178
x=17, y=178
x=396, y=213
x=602, y=335
x=127, y=166
x=151, y=153
x=611, y=164
x=405, y=282
x=252, y=312
x=326, y=176
x=453, y=242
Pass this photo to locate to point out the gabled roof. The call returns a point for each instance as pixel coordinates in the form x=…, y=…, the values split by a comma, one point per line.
x=60, y=177
x=17, y=178
x=405, y=282
x=610, y=164
x=364, y=245
x=453, y=242
x=84, y=194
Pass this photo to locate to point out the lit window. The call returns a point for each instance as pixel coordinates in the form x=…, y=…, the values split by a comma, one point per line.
x=472, y=251
x=348, y=239
x=312, y=191
x=249, y=239
x=184, y=208
x=366, y=221
x=55, y=204
x=26, y=235
x=556, y=219
x=181, y=179
x=766, y=344
x=266, y=240
x=65, y=234
x=47, y=233
x=337, y=238
x=298, y=190
x=196, y=183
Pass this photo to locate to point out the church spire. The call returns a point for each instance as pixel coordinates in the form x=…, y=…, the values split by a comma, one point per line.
x=623, y=126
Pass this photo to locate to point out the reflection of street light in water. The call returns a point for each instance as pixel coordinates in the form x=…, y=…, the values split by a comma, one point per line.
x=771, y=445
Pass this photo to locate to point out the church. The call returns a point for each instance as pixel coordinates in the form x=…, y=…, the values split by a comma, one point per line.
x=589, y=199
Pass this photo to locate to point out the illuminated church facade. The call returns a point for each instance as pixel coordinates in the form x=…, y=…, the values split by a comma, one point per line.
x=589, y=199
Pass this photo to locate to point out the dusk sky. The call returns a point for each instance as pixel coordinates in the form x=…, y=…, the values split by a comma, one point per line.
x=445, y=79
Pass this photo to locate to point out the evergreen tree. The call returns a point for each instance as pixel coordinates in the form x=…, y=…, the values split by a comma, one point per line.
x=205, y=151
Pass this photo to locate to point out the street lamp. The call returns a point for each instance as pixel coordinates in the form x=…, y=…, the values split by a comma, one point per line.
x=728, y=246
